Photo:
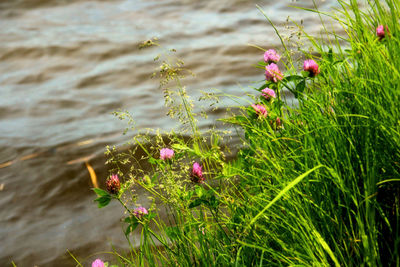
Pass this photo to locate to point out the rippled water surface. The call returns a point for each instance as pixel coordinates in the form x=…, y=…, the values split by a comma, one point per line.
x=66, y=65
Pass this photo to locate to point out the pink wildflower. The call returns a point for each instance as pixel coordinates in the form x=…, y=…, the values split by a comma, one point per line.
x=113, y=185
x=260, y=110
x=271, y=56
x=268, y=93
x=312, y=67
x=197, y=173
x=139, y=212
x=381, y=31
x=166, y=153
x=98, y=263
x=272, y=73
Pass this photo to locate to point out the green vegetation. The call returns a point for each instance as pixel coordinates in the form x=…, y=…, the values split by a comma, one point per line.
x=314, y=184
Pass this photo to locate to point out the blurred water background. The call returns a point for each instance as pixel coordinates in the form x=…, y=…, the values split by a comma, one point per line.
x=65, y=66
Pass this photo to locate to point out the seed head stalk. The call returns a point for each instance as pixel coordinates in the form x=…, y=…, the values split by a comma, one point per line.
x=187, y=108
x=193, y=125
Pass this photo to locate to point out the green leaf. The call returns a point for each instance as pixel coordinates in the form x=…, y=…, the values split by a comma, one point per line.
x=133, y=223
x=262, y=63
x=300, y=86
x=100, y=192
x=330, y=54
x=151, y=215
x=189, y=195
x=131, y=227
x=305, y=74
x=103, y=201
x=152, y=160
x=196, y=202
x=199, y=191
x=154, y=178
x=292, y=78
x=213, y=202
x=128, y=219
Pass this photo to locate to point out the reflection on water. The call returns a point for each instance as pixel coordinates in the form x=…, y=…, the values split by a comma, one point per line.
x=65, y=66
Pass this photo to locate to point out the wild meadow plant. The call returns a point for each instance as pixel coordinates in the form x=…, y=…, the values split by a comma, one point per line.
x=314, y=184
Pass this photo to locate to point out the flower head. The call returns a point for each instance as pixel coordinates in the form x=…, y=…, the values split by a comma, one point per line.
x=272, y=73
x=98, y=263
x=312, y=67
x=197, y=173
x=166, y=153
x=139, y=212
x=268, y=93
x=112, y=184
x=271, y=56
x=260, y=110
x=381, y=31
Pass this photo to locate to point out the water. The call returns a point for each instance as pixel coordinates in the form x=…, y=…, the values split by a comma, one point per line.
x=65, y=66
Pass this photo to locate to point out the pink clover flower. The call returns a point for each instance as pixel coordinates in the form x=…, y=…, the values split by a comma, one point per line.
x=271, y=56
x=166, y=153
x=272, y=73
x=312, y=67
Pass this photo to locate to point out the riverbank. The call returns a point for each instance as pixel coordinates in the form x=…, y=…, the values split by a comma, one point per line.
x=314, y=183
x=65, y=67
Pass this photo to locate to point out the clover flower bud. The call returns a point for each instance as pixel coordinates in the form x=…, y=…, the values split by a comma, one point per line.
x=268, y=93
x=146, y=180
x=197, y=173
x=272, y=73
x=113, y=185
x=278, y=122
x=312, y=67
x=271, y=56
x=166, y=153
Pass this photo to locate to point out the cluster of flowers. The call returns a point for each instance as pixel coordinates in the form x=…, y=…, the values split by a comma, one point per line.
x=113, y=184
x=274, y=75
x=196, y=174
x=272, y=72
x=261, y=110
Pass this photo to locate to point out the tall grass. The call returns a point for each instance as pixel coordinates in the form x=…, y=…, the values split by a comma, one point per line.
x=321, y=188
